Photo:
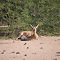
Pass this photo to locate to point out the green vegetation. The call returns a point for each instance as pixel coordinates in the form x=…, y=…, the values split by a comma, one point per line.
x=24, y=12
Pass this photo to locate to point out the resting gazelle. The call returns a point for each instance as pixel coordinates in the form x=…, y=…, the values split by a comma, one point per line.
x=30, y=34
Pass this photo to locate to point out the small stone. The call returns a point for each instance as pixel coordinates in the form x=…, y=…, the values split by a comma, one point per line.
x=27, y=47
x=24, y=43
x=17, y=52
x=13, y=52
x=58, y=52
x=55, y=59
x=41, y=43
x=25, y=55
x=41, y=48
x=2, y=53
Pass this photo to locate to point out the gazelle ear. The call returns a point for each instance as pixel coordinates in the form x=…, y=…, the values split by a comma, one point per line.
x=31, y=25
x=37, y=26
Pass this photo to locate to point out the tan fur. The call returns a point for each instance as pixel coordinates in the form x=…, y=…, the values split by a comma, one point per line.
x=30, y=34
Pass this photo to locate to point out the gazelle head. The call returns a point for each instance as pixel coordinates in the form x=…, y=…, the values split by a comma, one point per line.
x=34, y=28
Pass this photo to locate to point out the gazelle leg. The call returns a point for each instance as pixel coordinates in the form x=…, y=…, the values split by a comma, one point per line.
x=20, y=36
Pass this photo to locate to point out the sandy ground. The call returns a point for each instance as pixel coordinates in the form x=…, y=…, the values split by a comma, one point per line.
x=45, y=48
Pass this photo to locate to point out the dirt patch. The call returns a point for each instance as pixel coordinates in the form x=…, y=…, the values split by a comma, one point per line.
x=45, y=48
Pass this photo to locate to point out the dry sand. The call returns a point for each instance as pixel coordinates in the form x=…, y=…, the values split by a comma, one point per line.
x=45, y=48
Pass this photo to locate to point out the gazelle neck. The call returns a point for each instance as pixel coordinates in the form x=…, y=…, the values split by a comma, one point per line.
x=34, y=31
